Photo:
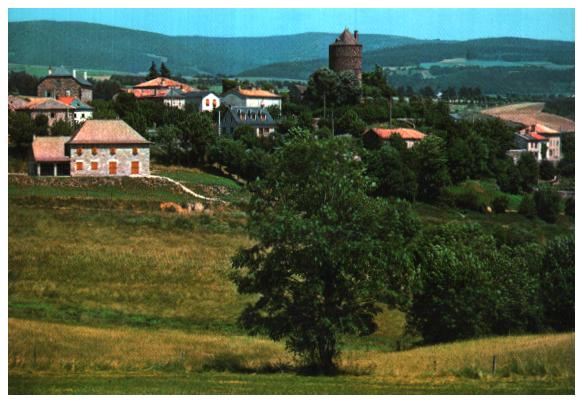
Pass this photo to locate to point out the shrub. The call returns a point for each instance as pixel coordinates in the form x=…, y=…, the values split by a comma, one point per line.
x=547, y=170
x=570, y=206
x=527, y=207
x=558, y=277
x=500, y=204
x=548, y=204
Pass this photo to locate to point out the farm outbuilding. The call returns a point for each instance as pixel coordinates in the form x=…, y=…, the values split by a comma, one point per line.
x=48, y=157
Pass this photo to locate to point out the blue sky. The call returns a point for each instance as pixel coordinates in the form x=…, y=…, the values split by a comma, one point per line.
x=454, y=24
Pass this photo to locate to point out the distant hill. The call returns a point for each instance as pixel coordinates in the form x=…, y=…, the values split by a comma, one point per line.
x=507, y=49
x=95, y=46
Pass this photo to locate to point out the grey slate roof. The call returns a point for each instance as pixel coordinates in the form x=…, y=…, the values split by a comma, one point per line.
x=199, y=94
x=252, y=116
x=61, y=71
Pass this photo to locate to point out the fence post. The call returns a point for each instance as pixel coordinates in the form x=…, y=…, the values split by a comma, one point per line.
x=434, y=366
x=494, y=365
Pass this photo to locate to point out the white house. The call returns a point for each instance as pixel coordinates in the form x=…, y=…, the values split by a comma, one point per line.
x=205, y=101
x=82, y=111
x=253, y=98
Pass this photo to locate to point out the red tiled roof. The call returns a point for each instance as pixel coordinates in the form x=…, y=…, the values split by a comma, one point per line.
x=164, y=83
x=107, y=132
x=49, y=149
x=40, y=103
x=406, y=134
x=256, y=93
x=66, y=100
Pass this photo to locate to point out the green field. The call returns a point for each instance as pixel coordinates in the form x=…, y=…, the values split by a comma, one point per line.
x=41, y=71
x=107, y=294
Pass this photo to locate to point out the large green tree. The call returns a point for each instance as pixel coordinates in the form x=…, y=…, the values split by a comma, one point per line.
x=430, y=162
x=321, y=262
x=165, y=71
x=152, y=72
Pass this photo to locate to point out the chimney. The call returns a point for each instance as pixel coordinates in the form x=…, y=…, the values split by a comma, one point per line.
x=356, y=35
x=74, y=73
x=50, y=71
x=85, y=75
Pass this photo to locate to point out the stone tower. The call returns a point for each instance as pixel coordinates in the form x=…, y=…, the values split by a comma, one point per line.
x=346, y=54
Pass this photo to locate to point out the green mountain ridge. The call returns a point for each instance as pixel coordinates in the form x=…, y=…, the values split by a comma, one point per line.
x=106, y=47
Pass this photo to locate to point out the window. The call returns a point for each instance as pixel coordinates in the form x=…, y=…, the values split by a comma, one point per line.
x=135, y=167
x=94, y=165
x=112, y=150
x=214, y=103
x=135, y=151
x=82, y=116
x=52, y=115
x=113, y=167
x=80, y=151
x=68, y=93
x=94, y=150
x=79, y=165
x=208, y=102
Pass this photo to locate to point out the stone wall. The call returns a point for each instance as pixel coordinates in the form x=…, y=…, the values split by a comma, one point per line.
x=102, y=156
x=346, y=57
x=58, y=86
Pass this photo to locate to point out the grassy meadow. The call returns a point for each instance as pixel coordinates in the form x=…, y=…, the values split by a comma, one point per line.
x=107, y=294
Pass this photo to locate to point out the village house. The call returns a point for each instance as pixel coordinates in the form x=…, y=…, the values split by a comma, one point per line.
x=205, y=101
x=158, y=88
x=62, y=83
x=52, y=108
x=411, y=136
x=297, y=92
x=174, y=98
x=97, y=148
x=81, y=112
x=251, y=98
x=257, y=118
x=542, y=141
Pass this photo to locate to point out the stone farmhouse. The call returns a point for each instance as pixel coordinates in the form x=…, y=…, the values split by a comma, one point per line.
x=411, y=136
x=62, y=83
x=97, y=148
x=252, y=98
x=257, y=118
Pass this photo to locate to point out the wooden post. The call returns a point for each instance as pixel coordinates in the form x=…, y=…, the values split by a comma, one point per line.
x=435, y=366
x=494, y=365
x=54, y=169
x=37, y=169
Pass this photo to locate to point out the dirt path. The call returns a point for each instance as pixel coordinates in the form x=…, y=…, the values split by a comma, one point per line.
x=187, y=190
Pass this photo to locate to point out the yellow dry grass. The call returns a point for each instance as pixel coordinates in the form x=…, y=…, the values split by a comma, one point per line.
x=527, y=355
x=35, y=345
x=49, y=346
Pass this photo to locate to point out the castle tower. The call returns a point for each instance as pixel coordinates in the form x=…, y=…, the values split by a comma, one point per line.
x=346, y=54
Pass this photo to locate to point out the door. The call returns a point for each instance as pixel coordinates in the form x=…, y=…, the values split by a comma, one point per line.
x=135, y=167
x=113, y=167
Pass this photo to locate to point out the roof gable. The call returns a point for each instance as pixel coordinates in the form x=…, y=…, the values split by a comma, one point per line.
x=107, y=132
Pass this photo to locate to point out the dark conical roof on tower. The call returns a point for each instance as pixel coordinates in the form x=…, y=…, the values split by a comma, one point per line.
x=346, y=38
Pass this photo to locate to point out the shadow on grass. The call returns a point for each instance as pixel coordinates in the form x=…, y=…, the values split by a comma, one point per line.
x=236, y=363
